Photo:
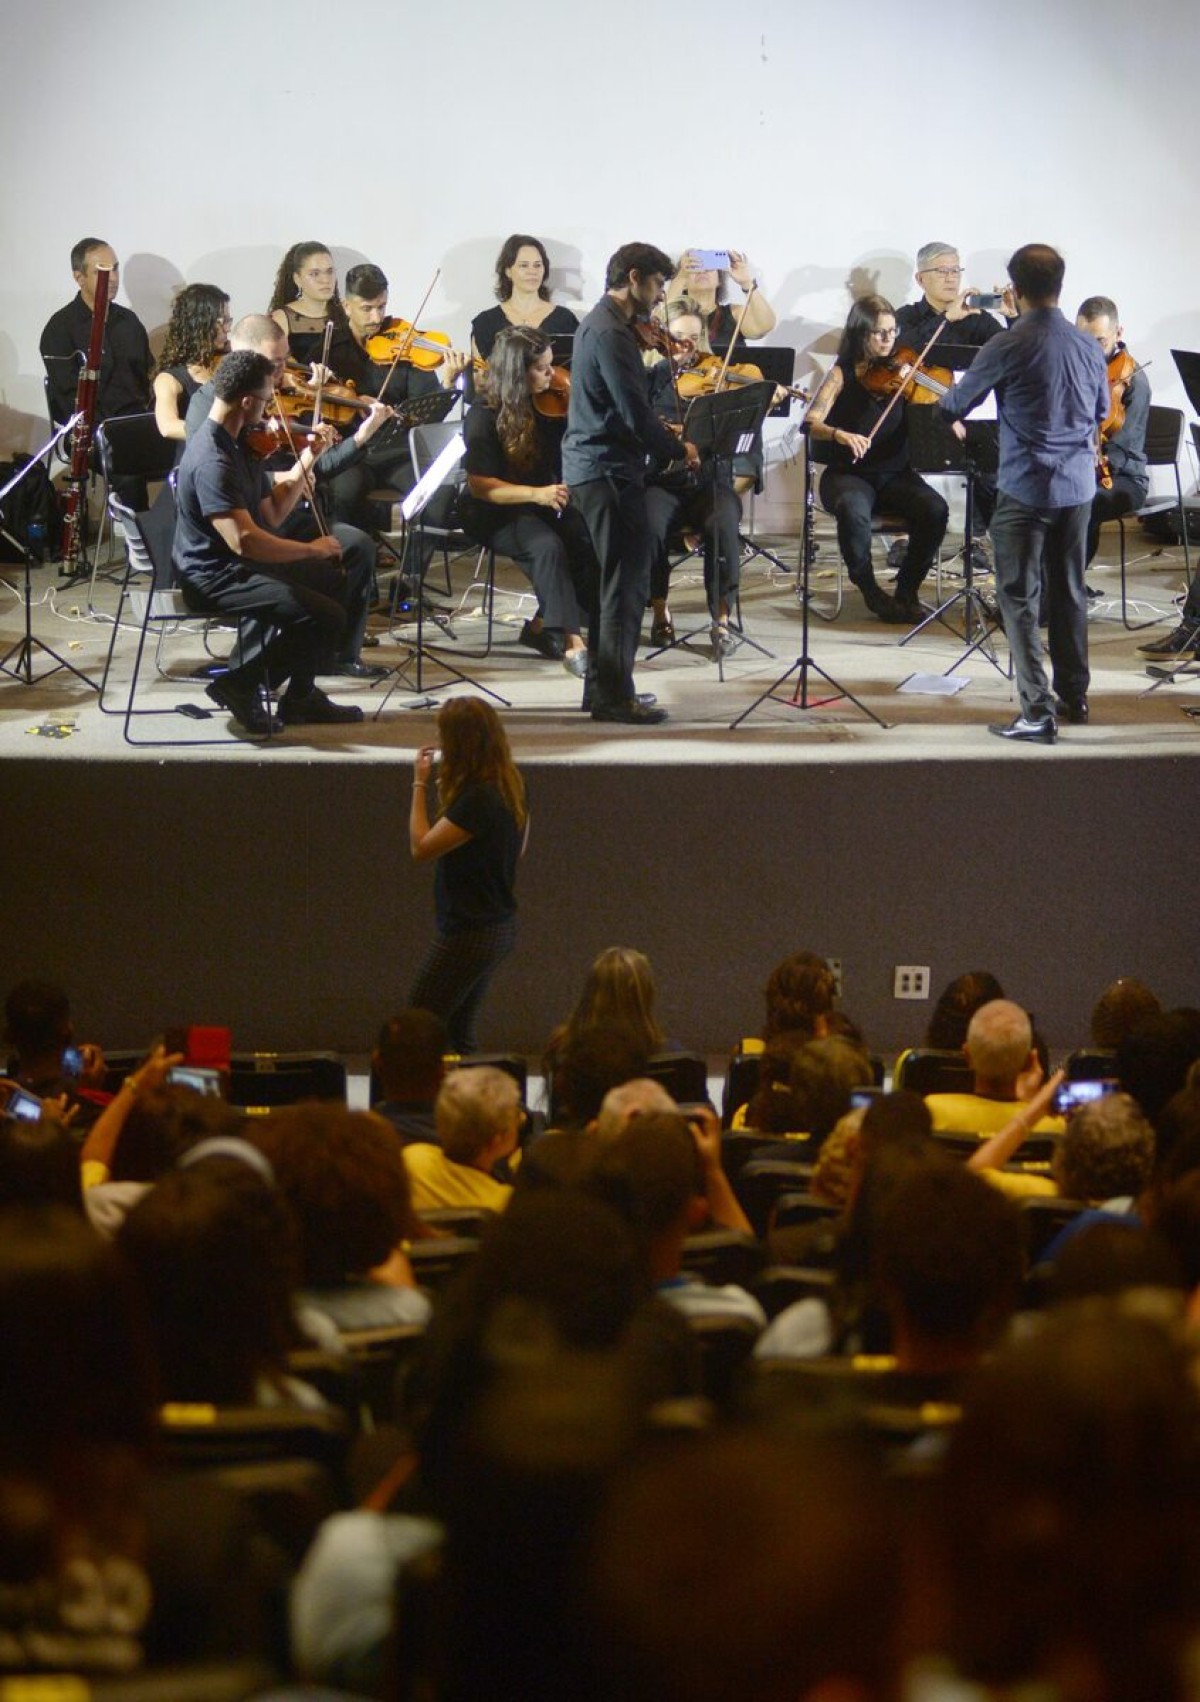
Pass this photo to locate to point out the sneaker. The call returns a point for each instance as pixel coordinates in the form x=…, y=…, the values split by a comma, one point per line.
x=317, y=710
x=1182, y=642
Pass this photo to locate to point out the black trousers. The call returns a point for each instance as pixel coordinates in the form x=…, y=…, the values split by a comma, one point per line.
x=853, y=497
x=1125, y=497
x=299, y=610
x=1040, y=552
x=711, y=508
x=455, y=974
x=614, y=511
x=555, y=553
x=352, y=588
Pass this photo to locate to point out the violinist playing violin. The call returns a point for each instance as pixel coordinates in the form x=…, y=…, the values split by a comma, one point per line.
x=1123, y=434
x=857, y=423
x=516, y=498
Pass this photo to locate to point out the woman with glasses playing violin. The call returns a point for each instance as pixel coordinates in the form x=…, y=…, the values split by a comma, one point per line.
x=857, y=426
x=516, y=498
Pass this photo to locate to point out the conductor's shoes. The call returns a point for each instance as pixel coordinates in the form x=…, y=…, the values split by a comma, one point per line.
x=1042, y=730
x=317, y=710
x=1072, y=709
x=631, y=713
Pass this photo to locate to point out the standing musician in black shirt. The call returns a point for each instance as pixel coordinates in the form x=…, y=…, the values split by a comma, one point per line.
x=227, y=554
x=611, y=429
x=124, y=386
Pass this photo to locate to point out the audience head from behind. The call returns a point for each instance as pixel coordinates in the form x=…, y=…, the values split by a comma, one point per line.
x=631, y=1099
x=999, y=1047
x=651, y=1173
x=1113, y=1255
x=805, y=1085
x=37, y=1024
x=956, y=1005
x=740, y=1563
x=163, y=1124
x=342, y=1175
x=39, y=1163
x=213, y=1247
x=800, y=995
x=618, y=997
x=1106, y=1152
x=1069, y=1510
x=1122, y=1005
x=478, y=1114
x=1155, y=1056
x=948, y=1261
x=586, y=1067
x=410, y=1057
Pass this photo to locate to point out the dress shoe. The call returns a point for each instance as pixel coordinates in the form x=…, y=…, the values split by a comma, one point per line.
x=662, y=633
x=358, y=671
x=317, y=710
x=1042, y=731
x=541, y=640
x=245, y=704
x=632, y=712
x=647, y=700
x=911, y=609
x=1184, y=641
x=1072, y=709
x=883, y=606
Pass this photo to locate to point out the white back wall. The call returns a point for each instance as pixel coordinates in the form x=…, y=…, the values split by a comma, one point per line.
x=827, y=141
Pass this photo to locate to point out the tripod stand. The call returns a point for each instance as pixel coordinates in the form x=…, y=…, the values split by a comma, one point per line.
x=23, y=649
x=804, y=664
x=934, y=448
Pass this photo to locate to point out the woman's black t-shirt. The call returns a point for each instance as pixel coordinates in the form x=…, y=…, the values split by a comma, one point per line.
x=473, y=884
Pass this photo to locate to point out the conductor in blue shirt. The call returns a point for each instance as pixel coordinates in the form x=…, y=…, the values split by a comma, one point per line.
x=1051, y=386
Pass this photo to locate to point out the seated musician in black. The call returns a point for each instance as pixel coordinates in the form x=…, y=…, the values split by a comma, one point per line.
x=388, y=462
x=261, y=335
x=124, y=384
x=1124, y=448
x=516, y=497
x=227, y=556
x=866, y=443
x=701, y=503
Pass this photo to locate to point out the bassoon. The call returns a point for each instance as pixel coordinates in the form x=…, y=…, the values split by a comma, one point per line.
x=86, y=397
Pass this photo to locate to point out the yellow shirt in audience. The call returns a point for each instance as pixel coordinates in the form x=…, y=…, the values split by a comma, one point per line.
x=437, y=1182
x=968, y=1113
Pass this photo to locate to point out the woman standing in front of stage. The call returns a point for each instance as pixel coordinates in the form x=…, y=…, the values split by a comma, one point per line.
x=858, y=426
x=523, y=291
x=516, y=499
x=476, y=841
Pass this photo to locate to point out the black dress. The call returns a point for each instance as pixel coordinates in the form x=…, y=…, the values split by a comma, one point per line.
x=487, y=326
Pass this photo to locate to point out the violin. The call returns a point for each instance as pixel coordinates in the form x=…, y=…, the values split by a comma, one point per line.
x=339, y=402
x=553, y=402
x=903, y=373
x=398, y=340
x=1121, y=368
x=651, y=335
x=268, y=438
x=703, y=378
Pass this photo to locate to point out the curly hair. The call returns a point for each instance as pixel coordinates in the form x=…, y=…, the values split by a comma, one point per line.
x=342, y=1172
x=508, y=257
x=1107, y=1150
x=284, y=291
x=506, y=389
x=475, y=749
x=799, y=990
x=195, y=334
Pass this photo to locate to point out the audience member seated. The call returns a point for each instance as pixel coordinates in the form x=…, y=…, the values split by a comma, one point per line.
x=478, y=1119
x=800, y=995
x=822, y=1076
x=1068, y=1519
x=618, y=1001
x=410, y=1060
x=214, y=1250
x=1113, y=1255
x=344, y=1178
x=44, y=1055
x=655, y=1174
x=742, y=1564
x=1119, y=1009
x=108, y=1567
x=1155, y=1056
x=631, y=1099
x=956, y=1005
x=999, y=1049
x=39, y=1162
x=642, y=1097
x=587, y=1069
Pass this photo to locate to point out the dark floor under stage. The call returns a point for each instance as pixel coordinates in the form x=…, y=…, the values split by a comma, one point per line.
x=272, y=888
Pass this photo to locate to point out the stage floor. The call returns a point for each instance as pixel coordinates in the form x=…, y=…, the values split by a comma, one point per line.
x=546, y=726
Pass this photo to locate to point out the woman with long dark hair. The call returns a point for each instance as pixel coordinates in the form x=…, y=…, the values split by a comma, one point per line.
x=197, y=337
x=516, y=497
x=304, y=297
x=523, y=292
x=476, y=840
x=869, y=473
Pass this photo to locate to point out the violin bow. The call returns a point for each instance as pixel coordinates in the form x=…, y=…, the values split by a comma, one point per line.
x=737, y=332
x=913, y=371
x=305, y=476
x=406, y=343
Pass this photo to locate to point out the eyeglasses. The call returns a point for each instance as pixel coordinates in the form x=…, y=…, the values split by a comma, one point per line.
x=942, y=272
x=884, y=332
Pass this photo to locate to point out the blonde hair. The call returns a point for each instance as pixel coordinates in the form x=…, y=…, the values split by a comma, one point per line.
x=475, y=749
x=619, y=994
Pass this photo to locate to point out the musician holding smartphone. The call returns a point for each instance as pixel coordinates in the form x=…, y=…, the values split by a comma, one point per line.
x=701, y=277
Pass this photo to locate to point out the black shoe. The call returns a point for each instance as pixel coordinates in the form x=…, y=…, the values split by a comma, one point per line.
x=1184, y=641
x=245, y=704
x=662, y=633
x=317, y=710
x=356, y=671
x=883, y=606
x=1043, y=731
x=546, y=643
x=911, y=609
x=1072, y=709
x=632, y=713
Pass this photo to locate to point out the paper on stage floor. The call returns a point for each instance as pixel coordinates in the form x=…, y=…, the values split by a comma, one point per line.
x=934, y=685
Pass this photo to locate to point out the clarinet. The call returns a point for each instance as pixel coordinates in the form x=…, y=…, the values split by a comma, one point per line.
x=86, y=396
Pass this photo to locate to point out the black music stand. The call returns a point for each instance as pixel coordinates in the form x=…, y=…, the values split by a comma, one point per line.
x=934, y=448
x=25, y=646
x=777, y=363
x=804, y=664
x=723, y=426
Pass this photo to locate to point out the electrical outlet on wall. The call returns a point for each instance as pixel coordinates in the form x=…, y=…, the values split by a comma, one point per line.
x=835, y=963
x=912, y=981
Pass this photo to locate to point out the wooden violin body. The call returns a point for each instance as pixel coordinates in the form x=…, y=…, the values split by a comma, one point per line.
x=904, y=374
x=398, y=340
x=553, y=402
x=1121, y=368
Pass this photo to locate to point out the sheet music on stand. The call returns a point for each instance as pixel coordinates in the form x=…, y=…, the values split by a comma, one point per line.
x=729, y=422
x=434, y=476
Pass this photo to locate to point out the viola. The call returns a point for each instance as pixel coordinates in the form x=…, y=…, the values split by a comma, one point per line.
x=553, y=402
x=904, y=374
x=398, y=340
